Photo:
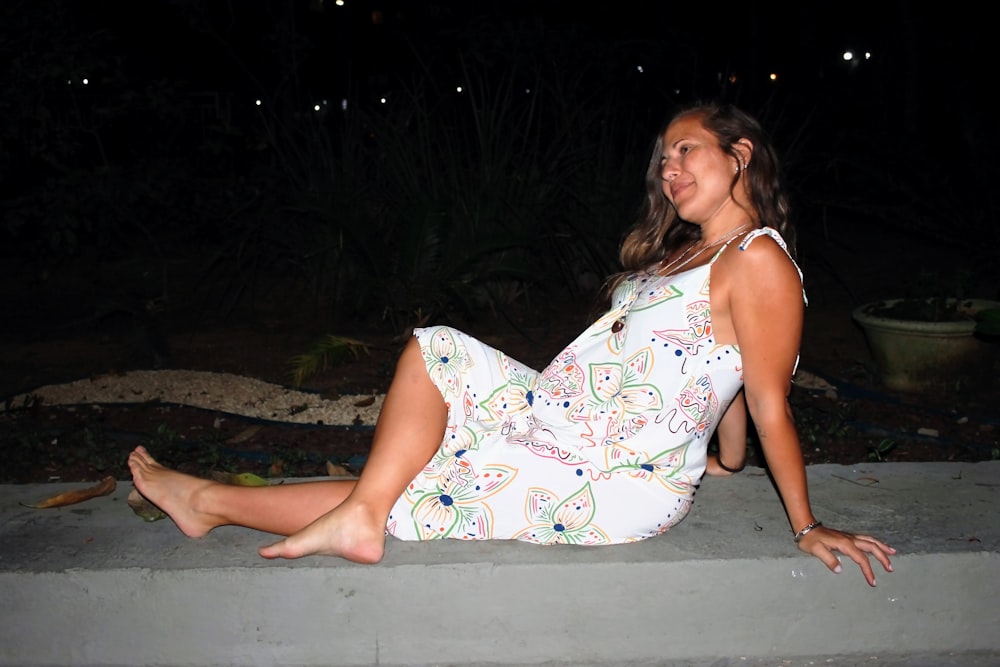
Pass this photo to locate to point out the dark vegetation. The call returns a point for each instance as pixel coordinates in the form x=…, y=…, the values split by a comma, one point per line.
x=159, y=191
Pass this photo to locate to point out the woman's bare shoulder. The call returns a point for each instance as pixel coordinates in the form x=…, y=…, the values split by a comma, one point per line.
x=754, y=252
x=763, y=250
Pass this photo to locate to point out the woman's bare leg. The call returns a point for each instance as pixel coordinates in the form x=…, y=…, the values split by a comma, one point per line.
x=199, y=505
x=409, y=430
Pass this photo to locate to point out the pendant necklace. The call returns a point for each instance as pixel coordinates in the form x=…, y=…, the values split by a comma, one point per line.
x=674, y=267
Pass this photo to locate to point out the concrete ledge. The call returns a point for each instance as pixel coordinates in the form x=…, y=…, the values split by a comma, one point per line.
x=92, y=584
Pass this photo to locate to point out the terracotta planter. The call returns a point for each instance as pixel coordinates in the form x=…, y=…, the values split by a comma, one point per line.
x=917, y=356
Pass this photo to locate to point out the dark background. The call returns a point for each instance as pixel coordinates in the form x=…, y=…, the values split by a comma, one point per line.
x=218, y=158
x=196, y=184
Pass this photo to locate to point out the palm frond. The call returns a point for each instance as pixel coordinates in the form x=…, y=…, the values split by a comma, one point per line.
x=326, y=351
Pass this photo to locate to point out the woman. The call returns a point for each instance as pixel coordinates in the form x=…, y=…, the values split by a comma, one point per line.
x=609, y=442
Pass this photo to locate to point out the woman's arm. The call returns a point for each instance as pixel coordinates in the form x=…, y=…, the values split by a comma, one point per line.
x=732, y=435
x=767, y=309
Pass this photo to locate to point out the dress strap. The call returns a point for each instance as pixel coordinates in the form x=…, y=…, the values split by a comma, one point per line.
x=748, y=238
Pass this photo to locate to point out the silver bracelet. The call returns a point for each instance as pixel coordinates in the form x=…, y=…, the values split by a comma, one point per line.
x=802, y=533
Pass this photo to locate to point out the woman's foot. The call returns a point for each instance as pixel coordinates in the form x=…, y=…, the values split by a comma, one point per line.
x=173, y=492
x=349, y=531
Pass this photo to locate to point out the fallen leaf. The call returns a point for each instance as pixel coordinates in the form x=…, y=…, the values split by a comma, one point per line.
x=144, y=509
x=240, y=479
x=364, y=402
x=334, y=470
x=104, y=487
x=243, y=435
x=808, y=380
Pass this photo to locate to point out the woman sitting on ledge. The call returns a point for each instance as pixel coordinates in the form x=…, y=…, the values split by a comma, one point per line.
x=608, y=443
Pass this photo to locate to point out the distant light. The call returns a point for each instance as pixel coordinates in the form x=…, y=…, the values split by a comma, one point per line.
x=383, y=100
x=343, y=104
x=86, y=81
x=527, y=91
x=773, y=76
x=316, y=107
x=855, y=56
x=339, y=3
x=458, y=89
x=732, y=78
x=639, y=69
x=257, y=102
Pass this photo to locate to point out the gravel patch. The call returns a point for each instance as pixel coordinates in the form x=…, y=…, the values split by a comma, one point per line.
x=224, y=392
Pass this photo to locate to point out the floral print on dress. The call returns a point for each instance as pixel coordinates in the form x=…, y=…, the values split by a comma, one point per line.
x=446, y=361
x=606, y=445
x=691, y=338
x=457, y=508
x=664, y=469
x=509, y=400
x=452, y=451
x=697, y=401
x=556, y=521
x=619, y=392
x=563, y=378
x=541, y=444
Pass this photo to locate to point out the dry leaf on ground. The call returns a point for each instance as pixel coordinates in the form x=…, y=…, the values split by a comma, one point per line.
x=105, y=487
x=143, y=508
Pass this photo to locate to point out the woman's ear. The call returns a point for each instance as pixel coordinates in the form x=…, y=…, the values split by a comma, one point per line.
x=744, y=149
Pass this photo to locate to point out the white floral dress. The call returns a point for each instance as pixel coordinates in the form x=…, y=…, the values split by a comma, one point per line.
x=606, y=445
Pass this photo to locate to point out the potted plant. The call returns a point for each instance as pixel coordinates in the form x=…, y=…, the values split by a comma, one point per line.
x=935, y=341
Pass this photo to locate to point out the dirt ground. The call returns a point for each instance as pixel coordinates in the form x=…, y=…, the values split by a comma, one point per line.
x=843, y=413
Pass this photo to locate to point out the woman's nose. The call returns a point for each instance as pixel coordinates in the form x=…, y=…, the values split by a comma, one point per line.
x=668, y=169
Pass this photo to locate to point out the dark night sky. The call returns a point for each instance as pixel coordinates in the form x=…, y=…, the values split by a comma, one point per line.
x=933, y=56
x=201, y=41
x=920, y=108
x=929, y=69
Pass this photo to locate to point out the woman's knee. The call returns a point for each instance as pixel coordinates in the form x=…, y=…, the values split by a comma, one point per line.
x=410, y=365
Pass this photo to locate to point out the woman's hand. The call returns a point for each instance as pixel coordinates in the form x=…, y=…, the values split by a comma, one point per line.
x=822, y=542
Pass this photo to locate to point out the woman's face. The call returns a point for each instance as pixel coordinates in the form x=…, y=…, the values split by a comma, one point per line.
x=696, y=174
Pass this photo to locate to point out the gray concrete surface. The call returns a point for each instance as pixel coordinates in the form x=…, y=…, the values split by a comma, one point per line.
x=92, y=584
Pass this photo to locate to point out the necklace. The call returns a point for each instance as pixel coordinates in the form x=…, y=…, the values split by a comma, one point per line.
x=674, y=267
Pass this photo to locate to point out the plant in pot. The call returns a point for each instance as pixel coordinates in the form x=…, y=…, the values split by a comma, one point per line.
x=934, y=339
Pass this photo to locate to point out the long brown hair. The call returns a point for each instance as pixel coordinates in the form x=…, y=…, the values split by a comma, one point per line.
x=659, y=231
